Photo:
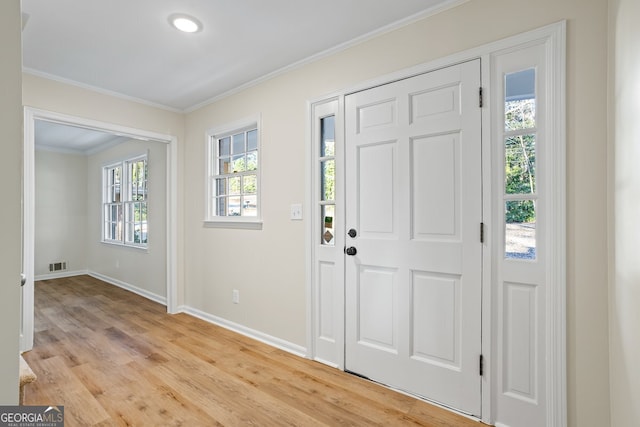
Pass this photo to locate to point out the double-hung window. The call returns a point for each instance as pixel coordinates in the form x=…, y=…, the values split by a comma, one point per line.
x=233, y=182
x=125, y=200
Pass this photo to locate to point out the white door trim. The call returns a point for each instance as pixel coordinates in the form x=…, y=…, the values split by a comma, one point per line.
x=30, y=116
x=554, y=38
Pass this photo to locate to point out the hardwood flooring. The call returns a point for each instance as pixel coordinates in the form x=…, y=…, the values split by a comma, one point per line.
x=113, y=358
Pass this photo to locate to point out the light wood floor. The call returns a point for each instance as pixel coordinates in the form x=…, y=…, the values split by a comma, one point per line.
x=114, y=358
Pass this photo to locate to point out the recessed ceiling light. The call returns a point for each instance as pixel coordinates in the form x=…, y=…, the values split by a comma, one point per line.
x=185, y=23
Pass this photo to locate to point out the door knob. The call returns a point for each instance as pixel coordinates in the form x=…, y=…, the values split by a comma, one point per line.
x=23, y=279
x=351, y=251
x=352, y=233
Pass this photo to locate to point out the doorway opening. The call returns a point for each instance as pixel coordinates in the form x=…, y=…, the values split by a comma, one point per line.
x=86, y=146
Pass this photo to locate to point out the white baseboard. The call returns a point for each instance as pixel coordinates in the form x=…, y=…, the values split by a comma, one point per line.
x=129, y=287
x=248, y=332
x=60, y=275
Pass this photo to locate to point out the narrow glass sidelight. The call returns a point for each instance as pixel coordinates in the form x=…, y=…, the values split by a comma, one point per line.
x=520, y=100
x=328, y=174
x=328, y=140
x=520, y=230
x=328, y=233
x=520, y=164
x=327, y=170
x=520, y=192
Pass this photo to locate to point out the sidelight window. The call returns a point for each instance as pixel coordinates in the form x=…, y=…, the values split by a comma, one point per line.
x=520, y=196
x=327, y=180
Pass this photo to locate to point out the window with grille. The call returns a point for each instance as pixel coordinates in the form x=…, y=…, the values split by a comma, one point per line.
x=125, y=202
x=234, y=180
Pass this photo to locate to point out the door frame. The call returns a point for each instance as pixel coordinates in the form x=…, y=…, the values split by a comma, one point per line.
x=30, y=117
x=553, y=37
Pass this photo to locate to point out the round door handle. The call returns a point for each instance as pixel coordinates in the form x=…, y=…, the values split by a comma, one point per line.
x=352, y=233
x=351, y=251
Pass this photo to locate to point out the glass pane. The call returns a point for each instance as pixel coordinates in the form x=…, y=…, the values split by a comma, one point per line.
x=252, y=161
x=328, y=232
x=252, y=140
x=520, y=100
x=249, y=184
x=114, y=220
x=224, y=147
x=129, y=211
x=520, y=230
x=234, y=206
x=327, y=136
x=250, y=206
x=520, y=164
x=234, y=185
x=238, y=163
x=238, y=143
x=140, y=212
x=115, y=175
x=221, y=187
x=116, y=213
x=134, y=190
x=221, y=206
x=115, y=193
x=328, y=180
x=137, y=234
x=223, y=165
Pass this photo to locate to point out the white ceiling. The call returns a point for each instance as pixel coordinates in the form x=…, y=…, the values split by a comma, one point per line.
x=127, y=47
x=57, y=137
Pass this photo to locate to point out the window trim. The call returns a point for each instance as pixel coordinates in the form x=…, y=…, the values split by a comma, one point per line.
x=124, y=164
x=212, y=135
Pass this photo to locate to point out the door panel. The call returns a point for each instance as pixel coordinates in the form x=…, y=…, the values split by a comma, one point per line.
x=413, y=191
x=378, y=317
x=434, y=166
x=434, y=325
x=377, y=180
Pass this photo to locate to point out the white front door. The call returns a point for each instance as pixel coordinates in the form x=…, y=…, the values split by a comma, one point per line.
x=414, y=202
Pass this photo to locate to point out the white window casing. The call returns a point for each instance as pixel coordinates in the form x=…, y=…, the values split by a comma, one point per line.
x=125, y=202
x=233, y=165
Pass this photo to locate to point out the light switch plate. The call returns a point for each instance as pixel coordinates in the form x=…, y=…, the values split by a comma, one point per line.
x=296, y=211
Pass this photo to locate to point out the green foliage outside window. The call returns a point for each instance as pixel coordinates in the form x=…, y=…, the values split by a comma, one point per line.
x=520, y=159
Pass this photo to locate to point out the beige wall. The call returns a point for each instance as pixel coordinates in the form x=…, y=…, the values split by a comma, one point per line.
x=69, y=218
x=145, y=269
x=273, y=289
x=10, y=214
x=60, y=211
x=624, y=302
x=50, y=95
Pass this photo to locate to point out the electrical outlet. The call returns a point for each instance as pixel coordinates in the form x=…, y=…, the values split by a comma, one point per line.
x=235, y=297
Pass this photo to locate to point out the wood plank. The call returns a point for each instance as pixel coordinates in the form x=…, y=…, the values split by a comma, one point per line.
x=114, y=358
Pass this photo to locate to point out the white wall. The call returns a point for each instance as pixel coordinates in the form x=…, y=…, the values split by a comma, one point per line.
x=142, y=268
x=10, y=176
x=268, y=266
x=624, y=316
x=60, y=211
